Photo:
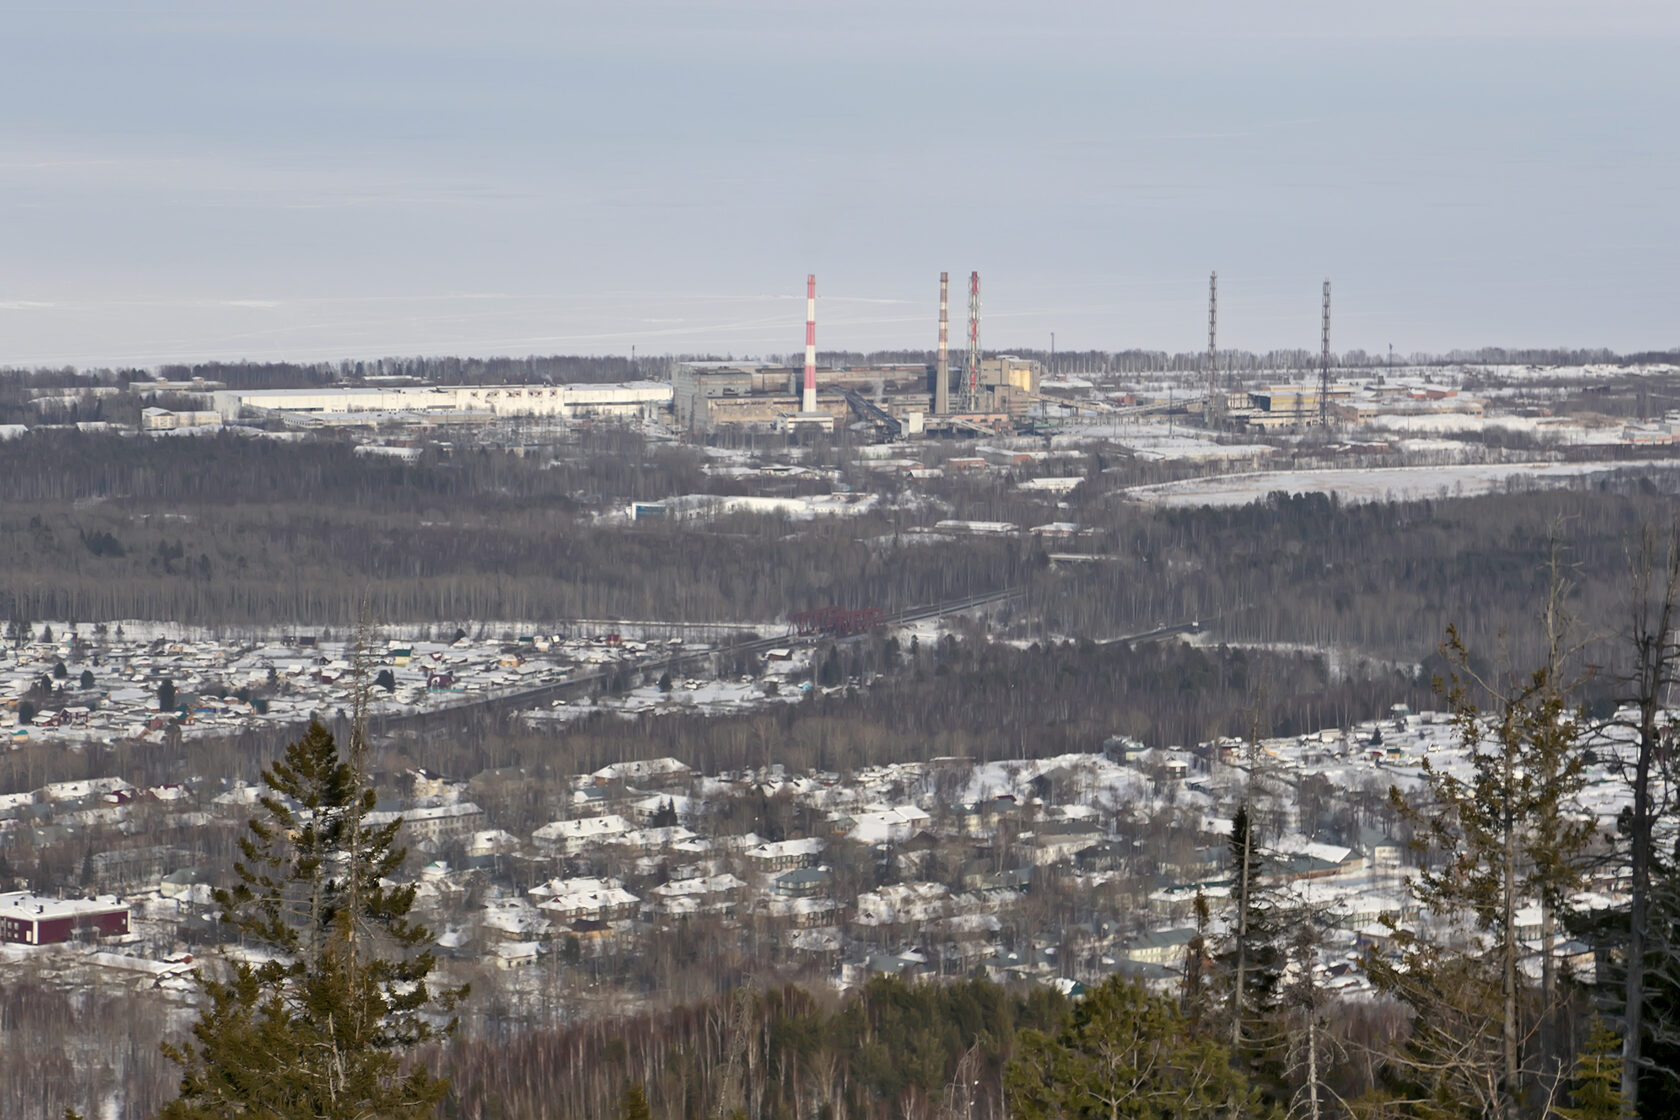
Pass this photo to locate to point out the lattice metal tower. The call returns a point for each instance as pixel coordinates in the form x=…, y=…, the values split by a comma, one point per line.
x=1214, y=396
x=971, y=390
x=942, y=372
x=1324, y=364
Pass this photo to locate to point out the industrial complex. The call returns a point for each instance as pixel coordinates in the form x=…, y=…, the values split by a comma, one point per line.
x=963, y=395
x=981, y=395
x=324, y=406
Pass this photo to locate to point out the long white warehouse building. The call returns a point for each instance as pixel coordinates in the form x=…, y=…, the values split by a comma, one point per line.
x=628, y=399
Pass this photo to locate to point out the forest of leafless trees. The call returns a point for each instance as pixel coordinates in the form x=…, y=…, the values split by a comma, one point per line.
x=228, y=531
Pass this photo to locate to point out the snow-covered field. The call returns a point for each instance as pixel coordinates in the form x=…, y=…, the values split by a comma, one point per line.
x=1368, y=484
x=1101, y=782
x=1553, y=429
x=1157, y=441
x=713, y=698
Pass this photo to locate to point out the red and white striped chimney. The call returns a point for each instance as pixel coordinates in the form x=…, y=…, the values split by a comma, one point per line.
x=808, y=399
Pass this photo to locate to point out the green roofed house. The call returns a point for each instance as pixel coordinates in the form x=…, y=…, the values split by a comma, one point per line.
x=1159, y=946
x=803, y=882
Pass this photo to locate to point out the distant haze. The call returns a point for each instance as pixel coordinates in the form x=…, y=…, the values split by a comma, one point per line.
x=318, y=181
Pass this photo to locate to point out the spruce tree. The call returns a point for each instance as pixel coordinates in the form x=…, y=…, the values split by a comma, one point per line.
x=320, y=1028
x=1658, y=1077
x=633, y=1105
x=1253, y=962
x=1125, y=1054
x=1254, y=957
x=1596, y=1091
x=1508, y=833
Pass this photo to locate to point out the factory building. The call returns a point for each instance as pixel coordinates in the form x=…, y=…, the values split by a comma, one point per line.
x=1008, y=384
x=971, y=394
x=975, y=395
x=198, y=386
x=630, y=400
x=694, y=385
x=708, y=396
x=163, y=420
x=1288, y=406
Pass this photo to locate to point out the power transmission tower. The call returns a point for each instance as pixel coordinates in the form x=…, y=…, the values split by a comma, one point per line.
x=1324, y=366
x=1210, y=409
x=971, y=396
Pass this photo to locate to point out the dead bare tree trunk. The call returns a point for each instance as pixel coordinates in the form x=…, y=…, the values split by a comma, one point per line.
x=1656, y=653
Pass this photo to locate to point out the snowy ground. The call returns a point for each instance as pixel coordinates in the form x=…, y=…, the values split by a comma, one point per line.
x=1339, y=661
x=1370, y=484
x=1100, y=782
x=1554, y=429
x=712, y=698
x=692, y=507
x=1158, y=441
x=341, y=638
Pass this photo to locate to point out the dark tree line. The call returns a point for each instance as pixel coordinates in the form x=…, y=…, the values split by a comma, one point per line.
x=228, y=531
x=889, y=1050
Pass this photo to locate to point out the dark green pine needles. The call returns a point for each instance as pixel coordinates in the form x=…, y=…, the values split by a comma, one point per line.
x=316, y=1023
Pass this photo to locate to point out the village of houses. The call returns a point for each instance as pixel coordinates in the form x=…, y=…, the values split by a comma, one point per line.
x=107, y=683
x=1057, y=871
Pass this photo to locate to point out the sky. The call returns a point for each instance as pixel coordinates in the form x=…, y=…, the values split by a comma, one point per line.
x=319, y=181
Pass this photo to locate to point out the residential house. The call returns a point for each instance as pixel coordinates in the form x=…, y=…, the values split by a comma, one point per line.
x=567, y=838
x=785, y=855
x=803, y=882
x=1160, y=946
x=570, y=900
x=434, y=823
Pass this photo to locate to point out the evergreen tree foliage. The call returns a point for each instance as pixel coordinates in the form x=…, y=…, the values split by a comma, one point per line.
x=1507, y=834
x=1125, y=1054
x=1252, y=964
x=1659, y=1073
x=1596, y=1089
x=1451, y=1063
x=634, y=1104
x=1195, y=997
x=321, y=1027
x=1255, y=950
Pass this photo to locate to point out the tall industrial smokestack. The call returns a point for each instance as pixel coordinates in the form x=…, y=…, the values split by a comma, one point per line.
x=942, y=373
x=808, y=398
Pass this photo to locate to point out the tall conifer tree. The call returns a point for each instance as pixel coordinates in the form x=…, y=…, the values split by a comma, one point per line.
x=1508, y=833
x=320, y=1028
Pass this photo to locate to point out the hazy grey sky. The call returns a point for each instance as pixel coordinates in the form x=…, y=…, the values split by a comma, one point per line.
x=307, y=181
